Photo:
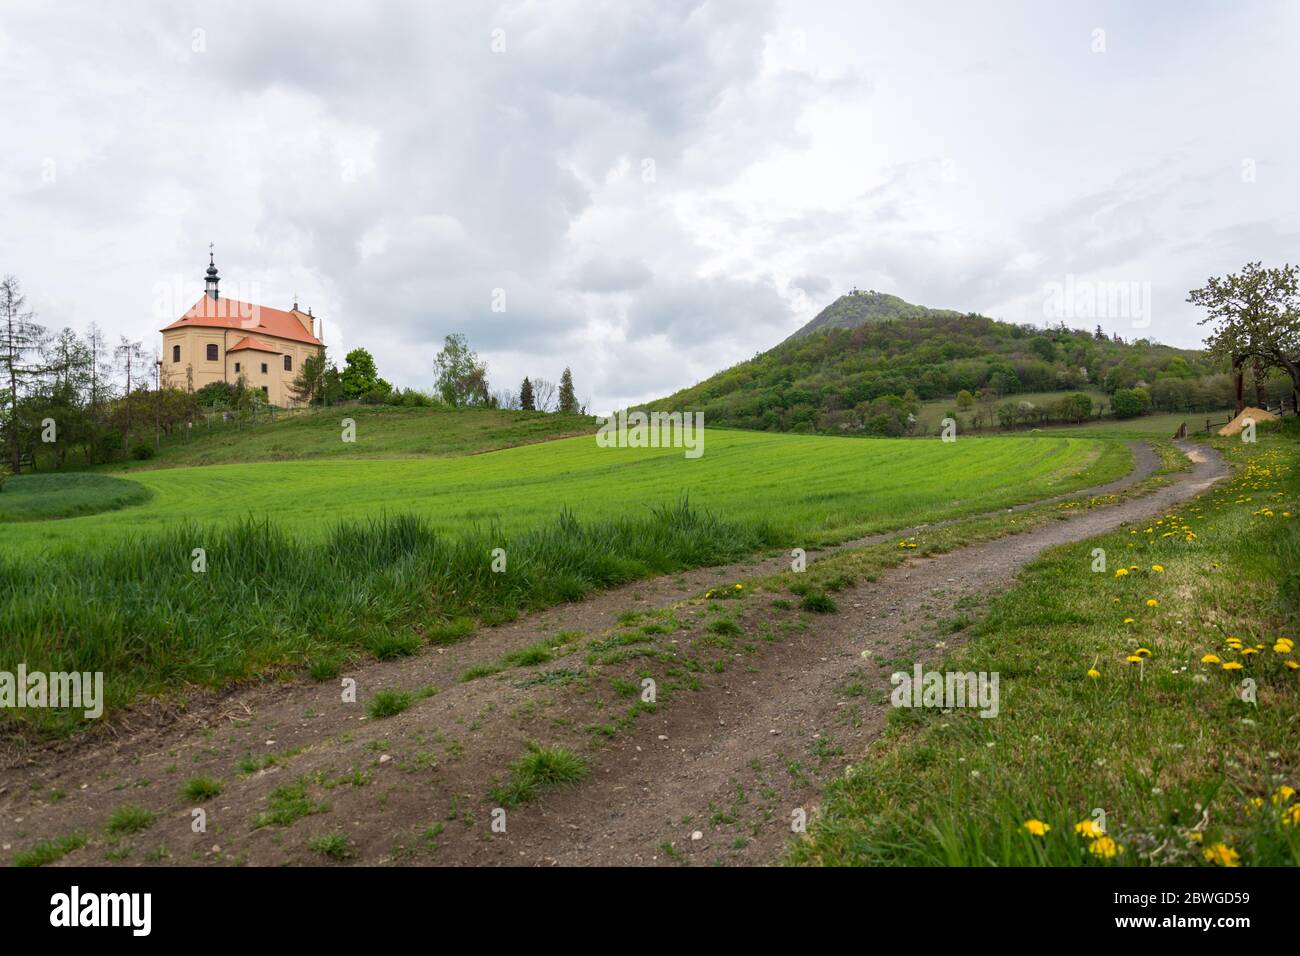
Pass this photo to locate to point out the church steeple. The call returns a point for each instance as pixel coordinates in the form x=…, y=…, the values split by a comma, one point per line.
x=210, y=287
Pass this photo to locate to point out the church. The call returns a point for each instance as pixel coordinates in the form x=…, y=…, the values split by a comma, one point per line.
x=224, y=340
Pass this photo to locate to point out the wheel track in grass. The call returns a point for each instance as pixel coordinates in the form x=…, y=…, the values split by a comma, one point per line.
x=731, y=760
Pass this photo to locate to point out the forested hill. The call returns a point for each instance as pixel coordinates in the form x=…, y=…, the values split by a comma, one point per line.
x=868, y=358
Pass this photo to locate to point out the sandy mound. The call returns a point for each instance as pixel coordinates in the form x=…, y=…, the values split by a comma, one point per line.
x=1258, y=414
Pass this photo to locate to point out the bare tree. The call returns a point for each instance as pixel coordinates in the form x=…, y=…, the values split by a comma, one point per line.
x=544, y=394
x=20, y=337
x=131, y=359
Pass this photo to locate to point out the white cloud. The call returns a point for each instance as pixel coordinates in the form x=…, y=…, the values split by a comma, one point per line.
x=661, y=189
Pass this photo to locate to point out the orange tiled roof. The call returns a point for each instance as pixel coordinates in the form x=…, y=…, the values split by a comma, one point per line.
x=257, y=345
x=226, y=313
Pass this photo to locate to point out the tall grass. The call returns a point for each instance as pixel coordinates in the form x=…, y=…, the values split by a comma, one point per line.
x=135, y=610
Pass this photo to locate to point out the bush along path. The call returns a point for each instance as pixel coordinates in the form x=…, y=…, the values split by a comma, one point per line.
x=689, y=718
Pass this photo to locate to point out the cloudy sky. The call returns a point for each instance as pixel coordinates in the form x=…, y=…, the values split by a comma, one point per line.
x=646, y=191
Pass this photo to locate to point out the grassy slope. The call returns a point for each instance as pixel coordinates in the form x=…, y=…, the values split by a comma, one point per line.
x=1166, y=749
x=1160, y=425
x=812, y=487
x=382, y=432
x=130, y=605
x=42, y=496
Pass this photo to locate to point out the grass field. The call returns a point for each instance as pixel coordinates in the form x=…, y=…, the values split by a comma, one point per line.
x=932, y=412
x=1122, y=705
x=1162, y=425
x=1159, y=425
x=810, y=488
x=313, y=561
x=42, y=496
x=381, y=432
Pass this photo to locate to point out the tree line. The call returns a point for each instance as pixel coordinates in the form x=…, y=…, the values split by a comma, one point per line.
x=460, y=381
x=64, y=392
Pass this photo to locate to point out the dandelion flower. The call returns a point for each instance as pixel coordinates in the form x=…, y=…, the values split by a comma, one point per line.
x=1094, y=673
x=1121, y=572
x=1158, y=568
x=1283, y=795
x=1291, y=665
x=1222, y=854
x=1152, y=602
x=1291, y=815
x=1105, y=847
x=1037, y=827
x=1128, y=620
x=1089, y=829
x=1211, y=659
x=1232, y=665
x=1133, y=659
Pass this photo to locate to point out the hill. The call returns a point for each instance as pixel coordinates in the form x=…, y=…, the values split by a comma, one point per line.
x=868, y=361
x=861, y=308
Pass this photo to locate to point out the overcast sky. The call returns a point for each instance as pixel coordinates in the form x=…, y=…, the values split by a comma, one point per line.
x=652, y=190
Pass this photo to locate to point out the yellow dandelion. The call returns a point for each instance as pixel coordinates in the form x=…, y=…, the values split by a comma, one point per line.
x=1232, y=665
x=1037, y=827
x=1094, y=673
x=1105, y=847
x=1121, y=572
x=1291, y=815
x=1089, y=829
x=1283, y=795
x=1211, y=659
x=1291, y=665
x=1222, y=854
x=1152, y=602
x=1133, y=659
x=1142, y=652
x=1158, y=568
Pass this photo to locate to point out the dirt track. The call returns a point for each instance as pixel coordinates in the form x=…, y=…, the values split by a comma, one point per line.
x=730, y=760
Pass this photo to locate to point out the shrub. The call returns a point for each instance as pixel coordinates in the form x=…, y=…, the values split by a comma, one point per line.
x=1130, y=402
x=141, y=451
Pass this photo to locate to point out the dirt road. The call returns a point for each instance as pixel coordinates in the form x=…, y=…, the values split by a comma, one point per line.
x=748, y=727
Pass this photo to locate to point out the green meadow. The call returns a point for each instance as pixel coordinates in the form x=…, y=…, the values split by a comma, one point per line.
x=808, y=488
x=385, y=432
x=327, y=560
